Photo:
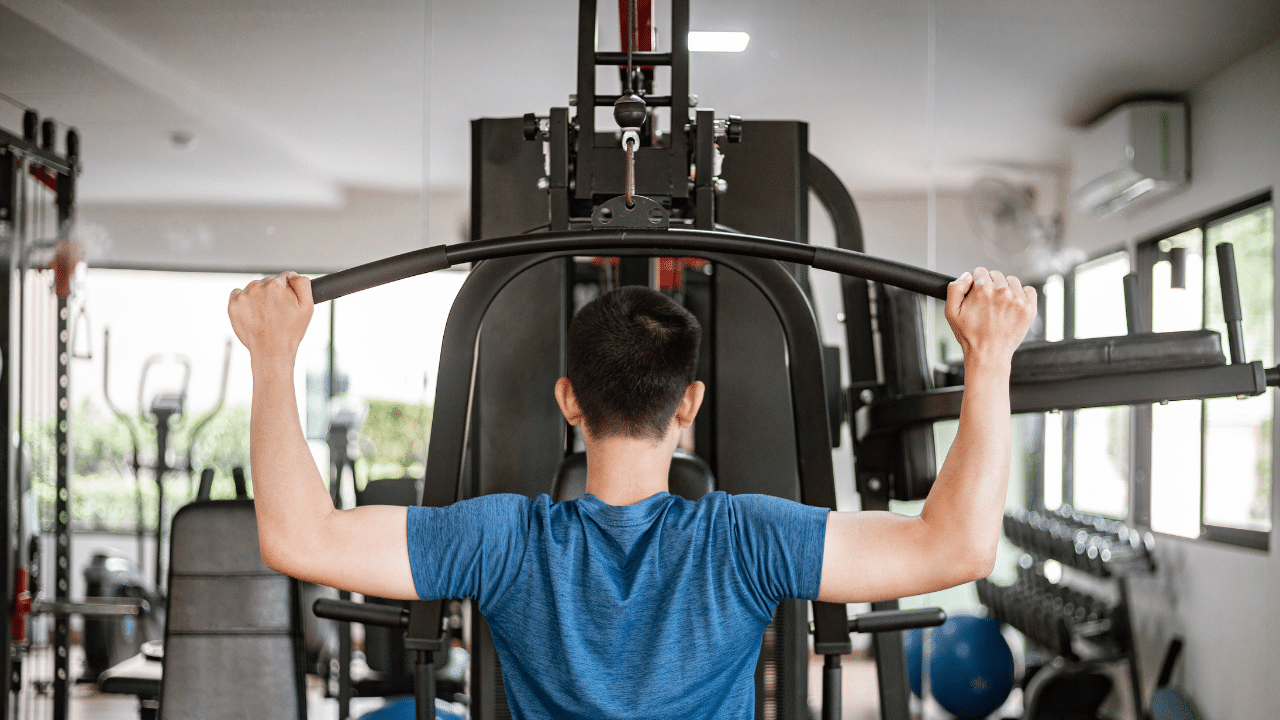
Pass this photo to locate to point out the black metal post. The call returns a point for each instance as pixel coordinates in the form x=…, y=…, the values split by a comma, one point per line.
x=558, y=185
x=65, y=265
x=161, y=469
x=704, y=181
x=1230, y=300
x=424, y=685
x=1123, y=616
x=832, y=687
x=1132, y=301
x=10, y=561
x=62, y=528
x=338, y=462
x=679, y=98
x=423, y=637
x=891, y=656
x=586, y=115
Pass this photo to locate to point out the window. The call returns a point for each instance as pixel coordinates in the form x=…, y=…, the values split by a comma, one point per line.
x=1175, y=427
x=1096, y=440
x=1227, y=443
x=1205, y=466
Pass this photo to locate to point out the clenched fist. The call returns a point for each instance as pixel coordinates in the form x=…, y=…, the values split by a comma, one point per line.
x=271, y=315
x=990, y=315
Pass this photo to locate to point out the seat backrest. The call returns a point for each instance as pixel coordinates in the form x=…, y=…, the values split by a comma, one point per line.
x=689, y=477
x=233, y=636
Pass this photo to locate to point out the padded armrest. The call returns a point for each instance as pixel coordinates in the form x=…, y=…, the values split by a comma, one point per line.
x=1036, y=362
x=1139, y=352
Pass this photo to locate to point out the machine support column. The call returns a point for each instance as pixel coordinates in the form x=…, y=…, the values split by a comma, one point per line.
x=62, y=525
x=64, y=266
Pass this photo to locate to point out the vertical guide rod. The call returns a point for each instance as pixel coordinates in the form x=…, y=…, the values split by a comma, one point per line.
x=337, y=466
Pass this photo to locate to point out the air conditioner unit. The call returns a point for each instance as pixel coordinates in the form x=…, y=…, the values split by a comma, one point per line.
x=1138, y=149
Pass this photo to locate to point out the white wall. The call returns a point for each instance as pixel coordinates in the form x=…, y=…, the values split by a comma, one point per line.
x=1221, y=599
x=368, y=225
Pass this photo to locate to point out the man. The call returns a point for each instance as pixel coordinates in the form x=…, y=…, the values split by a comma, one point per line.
x=631, y=602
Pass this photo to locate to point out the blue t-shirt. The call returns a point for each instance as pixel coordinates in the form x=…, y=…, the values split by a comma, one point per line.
x=652, y=610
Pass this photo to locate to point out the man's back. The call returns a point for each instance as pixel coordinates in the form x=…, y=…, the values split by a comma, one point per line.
x=655, y=609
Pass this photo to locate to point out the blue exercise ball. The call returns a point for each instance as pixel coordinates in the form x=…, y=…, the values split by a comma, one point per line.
x=970, y=665
x=402, y=708
x=1167, y=704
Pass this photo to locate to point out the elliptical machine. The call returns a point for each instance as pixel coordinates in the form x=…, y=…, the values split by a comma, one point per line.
x=111, y=640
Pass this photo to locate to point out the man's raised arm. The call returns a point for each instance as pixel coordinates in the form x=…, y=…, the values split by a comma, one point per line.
x=871, y=556
x=363, y=550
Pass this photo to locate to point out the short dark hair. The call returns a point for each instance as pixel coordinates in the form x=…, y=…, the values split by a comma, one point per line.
x=632, y=352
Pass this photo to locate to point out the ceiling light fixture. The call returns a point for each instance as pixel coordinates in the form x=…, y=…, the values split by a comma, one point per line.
x=718, y=41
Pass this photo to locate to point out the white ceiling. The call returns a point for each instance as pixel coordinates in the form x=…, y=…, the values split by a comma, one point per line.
x=293, y=102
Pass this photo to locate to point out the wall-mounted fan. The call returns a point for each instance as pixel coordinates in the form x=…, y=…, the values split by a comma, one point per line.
x=1003, y=215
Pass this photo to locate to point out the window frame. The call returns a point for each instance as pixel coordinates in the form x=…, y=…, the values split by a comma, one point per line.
x=1146, y=255
x=1143, y=256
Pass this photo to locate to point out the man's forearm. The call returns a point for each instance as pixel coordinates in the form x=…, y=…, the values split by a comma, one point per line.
x=967, y=500
x=289, y=494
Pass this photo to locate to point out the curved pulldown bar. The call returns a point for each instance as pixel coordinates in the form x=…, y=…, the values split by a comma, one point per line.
x=674, y=241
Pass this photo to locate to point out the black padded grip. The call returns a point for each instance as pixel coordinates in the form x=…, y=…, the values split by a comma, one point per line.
x=379, y=272
x=366, y=613
x=892, y=620
x=1227, y=277
x=1231, y=300
x=889, y=272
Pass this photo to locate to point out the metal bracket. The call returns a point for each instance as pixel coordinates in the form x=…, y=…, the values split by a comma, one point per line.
x=425, y=644
x=647, y=214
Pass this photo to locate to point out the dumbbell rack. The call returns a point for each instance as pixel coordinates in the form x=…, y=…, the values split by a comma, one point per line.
x=1076, y=625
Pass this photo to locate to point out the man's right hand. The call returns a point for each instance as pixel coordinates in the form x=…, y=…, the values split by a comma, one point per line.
x=874, y=555
x=271, y=315
x=990, y=315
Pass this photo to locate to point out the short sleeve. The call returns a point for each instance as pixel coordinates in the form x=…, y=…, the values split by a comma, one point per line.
x=779, y=545
x=470, y=549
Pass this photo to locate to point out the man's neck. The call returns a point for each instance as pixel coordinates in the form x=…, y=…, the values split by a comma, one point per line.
x=624, y=471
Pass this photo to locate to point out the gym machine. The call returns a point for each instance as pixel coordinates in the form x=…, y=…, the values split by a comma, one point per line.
x=165, y=407
x=108, y=642
x=891, y=410
x=37, y=214
x=634, y=194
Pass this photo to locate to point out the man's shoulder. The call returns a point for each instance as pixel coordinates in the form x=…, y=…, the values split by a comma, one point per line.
x=488, y=508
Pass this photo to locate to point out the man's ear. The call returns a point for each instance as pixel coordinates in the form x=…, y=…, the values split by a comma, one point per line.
x=690, y=403
x=568, y=402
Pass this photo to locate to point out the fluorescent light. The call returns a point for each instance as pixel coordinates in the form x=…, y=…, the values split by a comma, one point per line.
x=718, y=41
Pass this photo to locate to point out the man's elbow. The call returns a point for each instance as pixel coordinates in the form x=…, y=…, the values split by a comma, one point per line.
x=276, y=557
x=967, y=561
x=980, y=561
x=981, y=565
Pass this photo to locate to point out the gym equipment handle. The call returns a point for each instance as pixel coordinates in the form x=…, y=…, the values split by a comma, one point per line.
x=365, y=613
x=1230, y=300
x=891, y=620
x=598, y=242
